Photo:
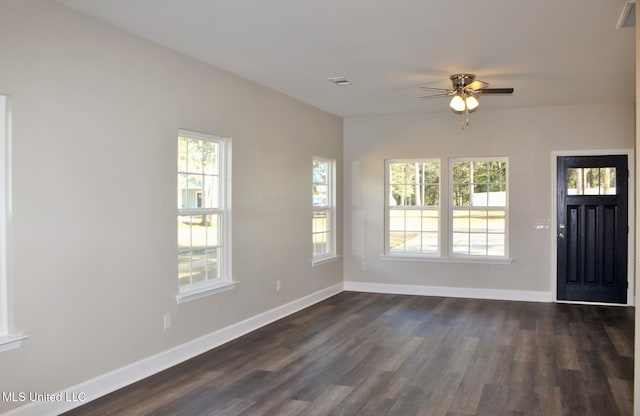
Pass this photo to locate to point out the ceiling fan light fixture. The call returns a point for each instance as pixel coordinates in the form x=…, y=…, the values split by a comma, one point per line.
x=457, y=103
x=464, y=94
x=472, y=102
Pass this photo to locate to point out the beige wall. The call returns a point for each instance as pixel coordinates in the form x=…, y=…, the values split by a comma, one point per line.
x=93, y=235
x=526, y=136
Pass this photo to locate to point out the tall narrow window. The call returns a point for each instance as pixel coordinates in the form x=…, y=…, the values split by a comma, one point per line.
x=478, y=202
x=413, y=207
x=203, y=212
x=323, y=223
x=9, y=339
x=4, y=133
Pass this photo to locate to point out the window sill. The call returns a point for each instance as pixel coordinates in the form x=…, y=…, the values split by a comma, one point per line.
x=473, y=260
x=202, y=292
x=11, y=342
x=318, y=262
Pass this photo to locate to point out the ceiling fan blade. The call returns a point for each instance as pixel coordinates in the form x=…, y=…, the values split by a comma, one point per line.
x=427, y=97
x=488, y=91
x=476, y=85
x=436, y=89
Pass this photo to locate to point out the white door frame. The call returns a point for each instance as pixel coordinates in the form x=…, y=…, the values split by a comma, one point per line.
x=631, y=219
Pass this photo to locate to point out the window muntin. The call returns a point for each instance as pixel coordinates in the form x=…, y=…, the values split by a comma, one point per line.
x=323, y=196
x=478, y=207
x=413, y=207
x=203, y=213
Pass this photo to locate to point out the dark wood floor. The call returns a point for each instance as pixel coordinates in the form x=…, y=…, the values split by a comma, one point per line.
x=374, y=354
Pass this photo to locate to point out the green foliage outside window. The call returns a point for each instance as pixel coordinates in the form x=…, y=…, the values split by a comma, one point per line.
x=415, y=183
x=474, y=177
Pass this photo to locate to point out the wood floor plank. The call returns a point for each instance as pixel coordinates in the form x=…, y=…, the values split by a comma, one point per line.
x=551, y=400
x=546, y=370
x=566, y=353
x=575, y=401
x=289, y=408
x=499, y=365
x=328, y=400
x=593, y=372
x=493, y=401
x=408, y=403
x=623, y=395
x=522, y=394
x=616, y=366
x=399, y=353
x=602, y=403
x=526, y=345
x=275, y=403
x=376, y=406
x=384, y=354
x=469, y=392
x=439, y=398
x=462, y=354
x=622, y=343
x=374, y=383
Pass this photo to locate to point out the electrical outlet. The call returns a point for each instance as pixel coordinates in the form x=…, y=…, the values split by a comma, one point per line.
x=363, y=266
x=278, y=285
x=166, y=320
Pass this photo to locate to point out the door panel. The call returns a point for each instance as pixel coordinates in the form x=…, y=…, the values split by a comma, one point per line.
x=573, y=240
x=609, y=249
x=592, y=228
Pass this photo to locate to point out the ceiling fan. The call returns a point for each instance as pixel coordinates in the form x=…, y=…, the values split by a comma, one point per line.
x=465, y=92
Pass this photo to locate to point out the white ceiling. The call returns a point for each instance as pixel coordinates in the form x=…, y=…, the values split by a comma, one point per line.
x=553, y=52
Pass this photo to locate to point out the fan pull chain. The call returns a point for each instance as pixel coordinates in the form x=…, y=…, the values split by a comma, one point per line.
x=466, y=112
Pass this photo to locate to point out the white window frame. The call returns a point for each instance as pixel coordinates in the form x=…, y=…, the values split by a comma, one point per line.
x=388, y=207
x=504, y=208
x=445, y=245
x=8, y=339
x=225, y=282
x=330, y=209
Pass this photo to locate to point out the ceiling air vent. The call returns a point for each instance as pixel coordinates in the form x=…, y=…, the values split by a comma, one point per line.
x=628, y=16
x=340, y=81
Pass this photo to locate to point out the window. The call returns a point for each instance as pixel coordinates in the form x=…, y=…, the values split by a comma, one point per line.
x=323, y=222
x=8, y=340
x=472, y=206
x=591, y=181
x=204, y=258
x=4, y=130
x=413, y=207
x=478, y=207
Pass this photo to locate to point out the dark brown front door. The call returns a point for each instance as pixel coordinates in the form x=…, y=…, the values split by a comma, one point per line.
x=592, y=229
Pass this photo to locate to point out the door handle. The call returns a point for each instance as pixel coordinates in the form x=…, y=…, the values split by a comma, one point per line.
x=561, y=235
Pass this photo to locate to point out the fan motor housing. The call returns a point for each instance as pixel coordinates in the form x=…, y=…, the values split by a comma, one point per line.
x=461, y=80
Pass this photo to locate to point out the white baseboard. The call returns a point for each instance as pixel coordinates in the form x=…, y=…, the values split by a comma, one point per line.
x=79, y=394
x=450, y=292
